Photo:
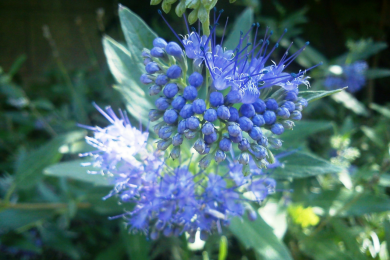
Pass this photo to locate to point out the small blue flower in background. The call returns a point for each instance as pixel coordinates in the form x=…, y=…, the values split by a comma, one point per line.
x=351, y=76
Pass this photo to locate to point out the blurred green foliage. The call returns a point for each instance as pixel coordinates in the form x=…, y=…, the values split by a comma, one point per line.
x=340, y=176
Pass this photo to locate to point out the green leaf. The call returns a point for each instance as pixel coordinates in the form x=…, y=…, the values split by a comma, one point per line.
x=302, y=130
x=383, y=110
x=17, y=218
x=375, y=138
x=223, y=248
x=348, y=237
x=323, y=247
x=113, y=251
x=386, y=224
x=127, y=70
x=30, y=168
x=312, y=95
x=260, y=237
x=74, y=170
x=242, y=23
x=137, y=33
x=301, y=165
x=59, y=240
x=350, y=102
x=16, y=65
x=136, y=245
x=377, y=73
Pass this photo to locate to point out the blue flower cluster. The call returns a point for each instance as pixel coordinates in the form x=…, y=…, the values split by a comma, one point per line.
x=352, y=76
x=171, y=201
x=248, y=102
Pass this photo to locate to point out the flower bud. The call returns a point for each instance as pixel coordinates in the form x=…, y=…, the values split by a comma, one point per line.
x=225, y=144
x=147, y=61
x=154, y=90
x=190, y=93
x=283, y=112
x=200, y=145
x=243, y=158
x=277, y=129
x=168, y=231
x=162, y=103
x=171, y=90
x=145, y=79
x=223, y=113
x=288, y=124
x=275, y=143
x=258, y=151
x=206, y=150
x=158, y=126
x=244, y=144
x=192, y=123
x=157, y=52
x=174, y=72
x=233, y=97
x=195, y=79
x=205, y=162
x=165, y=132
x=175, y=153
x=263, y=141
x=152, y=67
x=174, y=49
x=164, y=144
x=181, y=127
x=296, y=115
x=159, y=42
x=199, y=106
x=162, y=80
x=177, y=139
x=170, y=116
x=220, y=156
x=270, y=156
x=155, y=115
x=208, y=128
x=189, y=134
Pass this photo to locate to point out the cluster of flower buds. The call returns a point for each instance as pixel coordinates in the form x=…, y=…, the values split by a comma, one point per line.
x=262, y=102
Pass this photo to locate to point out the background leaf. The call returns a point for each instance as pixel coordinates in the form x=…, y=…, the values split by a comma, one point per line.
x=301, y=165
x=243, y=23
x=260, y=237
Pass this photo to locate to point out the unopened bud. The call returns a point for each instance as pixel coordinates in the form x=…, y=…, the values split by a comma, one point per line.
x=200, y=145
x=220, y=156
x=154, y=90
x=270, y=156
x=259, y=151
x=158, y=126
x=175, y=153
x=288, y=124
x=177, y=139
x=155, y=115
x=243, y=158
x=189, y=134
x=164, y=144
x=275, y=143
x=205, y=162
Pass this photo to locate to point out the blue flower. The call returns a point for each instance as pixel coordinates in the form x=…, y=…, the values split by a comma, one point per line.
x=352, y=76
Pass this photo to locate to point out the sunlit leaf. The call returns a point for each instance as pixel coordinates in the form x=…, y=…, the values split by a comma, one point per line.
x=312, y=95
x=74, y=170
x=260, y=237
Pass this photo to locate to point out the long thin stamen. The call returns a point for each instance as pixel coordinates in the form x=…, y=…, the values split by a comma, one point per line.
x=224, y=29
x=186, y=22
x=177, y=36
